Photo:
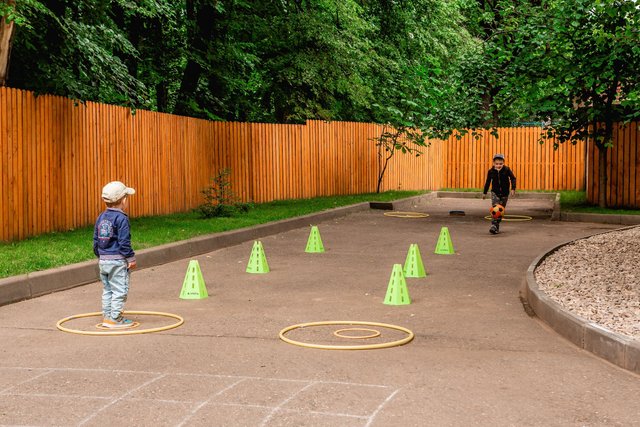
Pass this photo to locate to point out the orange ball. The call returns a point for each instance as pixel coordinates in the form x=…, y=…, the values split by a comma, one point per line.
x=496, y=211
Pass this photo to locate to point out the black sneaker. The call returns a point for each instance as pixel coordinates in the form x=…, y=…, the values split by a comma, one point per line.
x=493, y=229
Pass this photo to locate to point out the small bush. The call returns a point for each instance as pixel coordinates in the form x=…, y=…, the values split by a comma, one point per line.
x=219, y=198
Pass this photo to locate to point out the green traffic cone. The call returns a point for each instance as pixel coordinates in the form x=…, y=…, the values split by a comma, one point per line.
x=314, y=243
x=193, y=286
x=445, y=245
x=413, y=266
x=258, y=260
x=397, y=292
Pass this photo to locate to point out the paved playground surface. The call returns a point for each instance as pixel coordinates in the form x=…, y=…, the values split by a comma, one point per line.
x=477, y=359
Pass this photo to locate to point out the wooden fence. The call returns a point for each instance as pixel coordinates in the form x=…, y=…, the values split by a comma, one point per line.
x=623, y=169
x=536, y=166
x=56, y=155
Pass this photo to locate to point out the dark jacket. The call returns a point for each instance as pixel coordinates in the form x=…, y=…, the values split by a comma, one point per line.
x=111, y=236
x=500, y=181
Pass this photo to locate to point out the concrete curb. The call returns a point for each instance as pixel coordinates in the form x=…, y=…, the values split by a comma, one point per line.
x=478, y=195
x=555, y=214
x=31, y=285
x=615, y=348
x=412, y=202
x=600, y=218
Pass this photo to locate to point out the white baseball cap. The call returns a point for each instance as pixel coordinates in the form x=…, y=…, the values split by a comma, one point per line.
x=115, y=190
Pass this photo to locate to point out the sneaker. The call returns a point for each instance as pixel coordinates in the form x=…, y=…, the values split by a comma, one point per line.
x=493, y=229
x=118, y=323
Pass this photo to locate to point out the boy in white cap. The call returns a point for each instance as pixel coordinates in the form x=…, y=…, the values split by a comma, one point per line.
x=503, y=183
x=112, y=244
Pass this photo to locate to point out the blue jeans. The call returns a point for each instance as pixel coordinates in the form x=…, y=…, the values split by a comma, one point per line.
x=115, y=280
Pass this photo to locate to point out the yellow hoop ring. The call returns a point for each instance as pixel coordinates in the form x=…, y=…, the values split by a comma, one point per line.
x=513, y=218
x=403, y=341
x=375, y=333
x=398, y=214
x=179, y=322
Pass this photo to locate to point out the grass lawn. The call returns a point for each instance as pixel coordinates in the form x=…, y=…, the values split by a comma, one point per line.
x=576, y=201
x=57, y=249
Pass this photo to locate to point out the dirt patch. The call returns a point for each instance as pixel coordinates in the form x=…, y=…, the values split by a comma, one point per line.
x=598, y=278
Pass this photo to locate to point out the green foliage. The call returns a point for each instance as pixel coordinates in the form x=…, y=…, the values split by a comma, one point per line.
x=318, y=64
x=594, y=50
x=220, y=199
x=74, y=49
x=570, y=64
x=285, y=61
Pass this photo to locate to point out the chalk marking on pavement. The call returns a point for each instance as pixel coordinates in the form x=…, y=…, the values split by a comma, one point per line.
x=281, y=379
x=117, y=399
x=201, y=405
x=124, y=371
x=26, y=381
x=273, y=410
x=379, y=408
x=66, y=396
x=284, y=402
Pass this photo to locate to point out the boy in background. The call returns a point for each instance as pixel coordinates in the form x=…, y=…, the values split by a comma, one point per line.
x=503, y=183
x=112, y=244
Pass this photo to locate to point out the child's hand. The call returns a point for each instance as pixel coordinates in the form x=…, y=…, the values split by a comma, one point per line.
x=513, y=193
x=484, y=196
x=132, y=265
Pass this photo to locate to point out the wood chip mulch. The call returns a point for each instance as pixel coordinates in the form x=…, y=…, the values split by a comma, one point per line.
x=598, y=278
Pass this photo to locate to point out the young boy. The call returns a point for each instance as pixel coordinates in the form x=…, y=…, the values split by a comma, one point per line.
x=503, y=183
x=112, y=244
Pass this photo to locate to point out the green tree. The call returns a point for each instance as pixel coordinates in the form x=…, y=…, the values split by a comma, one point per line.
x=316, y=62
x=590, y=52
x=73, y=48
x=7, y=24
x=155, y=29
x=415, y=44
x=489, y=76
x=276, y=61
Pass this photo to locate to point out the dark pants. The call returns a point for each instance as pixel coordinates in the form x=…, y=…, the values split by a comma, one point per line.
x=498, y=200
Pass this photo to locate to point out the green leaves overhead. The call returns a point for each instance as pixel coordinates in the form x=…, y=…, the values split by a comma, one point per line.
x=434, y=65
x=284, y=61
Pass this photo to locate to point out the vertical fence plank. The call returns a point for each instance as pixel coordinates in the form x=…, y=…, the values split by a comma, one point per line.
x=624, y=165
x=635, y=136
x=4, y=170
x=596, y=172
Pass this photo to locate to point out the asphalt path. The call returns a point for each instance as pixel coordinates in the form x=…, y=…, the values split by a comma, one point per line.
x=477, y=358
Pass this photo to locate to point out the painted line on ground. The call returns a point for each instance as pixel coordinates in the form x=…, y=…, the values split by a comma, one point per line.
x=275, y=410
x=26, y=381
x=379, y=408
x=201, y=405
x=117, y=399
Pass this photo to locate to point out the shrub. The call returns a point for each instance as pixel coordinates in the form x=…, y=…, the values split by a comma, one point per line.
x=219, y=198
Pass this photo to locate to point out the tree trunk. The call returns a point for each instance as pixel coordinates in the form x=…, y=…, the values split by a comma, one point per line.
x=188, y=85
x=384, y=169
x=202, y=19
x=6, y=37
x=162, y=97
x=602, y=177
